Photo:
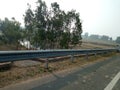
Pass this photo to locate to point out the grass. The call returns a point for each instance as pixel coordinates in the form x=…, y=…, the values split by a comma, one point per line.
x=17, y=74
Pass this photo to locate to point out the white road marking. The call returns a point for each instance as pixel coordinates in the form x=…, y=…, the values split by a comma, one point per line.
x=113, y=82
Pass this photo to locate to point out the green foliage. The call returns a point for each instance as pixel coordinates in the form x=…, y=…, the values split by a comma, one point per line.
x=52, y=28
x=64, y=42
x=29, y=23
x=10, y=31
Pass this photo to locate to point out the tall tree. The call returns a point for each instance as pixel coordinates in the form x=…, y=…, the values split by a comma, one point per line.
x=29, y=23
x=41, y=23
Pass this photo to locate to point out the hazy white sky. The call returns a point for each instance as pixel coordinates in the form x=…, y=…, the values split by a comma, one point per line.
x=98, y=16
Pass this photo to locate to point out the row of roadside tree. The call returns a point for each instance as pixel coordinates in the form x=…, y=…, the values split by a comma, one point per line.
x=45, y=28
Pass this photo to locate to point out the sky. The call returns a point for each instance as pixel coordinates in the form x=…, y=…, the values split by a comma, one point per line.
x=98, y=16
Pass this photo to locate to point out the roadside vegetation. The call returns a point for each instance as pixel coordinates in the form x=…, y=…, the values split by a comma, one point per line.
x=45, y=28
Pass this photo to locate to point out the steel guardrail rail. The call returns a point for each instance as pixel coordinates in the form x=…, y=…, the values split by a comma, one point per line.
x=9, y=56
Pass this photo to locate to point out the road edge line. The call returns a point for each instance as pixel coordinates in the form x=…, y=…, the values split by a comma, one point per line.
x=113, y=82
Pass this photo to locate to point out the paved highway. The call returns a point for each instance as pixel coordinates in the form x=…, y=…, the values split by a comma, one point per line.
x=104, y=75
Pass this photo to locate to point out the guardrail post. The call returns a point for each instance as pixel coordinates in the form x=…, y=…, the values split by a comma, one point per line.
x=72, y=58
x=102, y=53
x=95, y=55
x=87, y=56
x=46, y=63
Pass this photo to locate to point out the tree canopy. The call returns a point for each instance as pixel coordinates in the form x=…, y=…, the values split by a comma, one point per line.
x=52, y=27
x=45, y=28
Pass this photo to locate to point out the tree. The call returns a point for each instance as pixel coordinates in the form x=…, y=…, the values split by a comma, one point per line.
x=118, y=40
x=41, y=18
x=52, y=28
x=29, y=24
x=11, y=31
x=73, y=27
x=64, y=41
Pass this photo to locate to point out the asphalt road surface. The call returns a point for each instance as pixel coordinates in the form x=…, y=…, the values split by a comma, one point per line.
x=104, y=75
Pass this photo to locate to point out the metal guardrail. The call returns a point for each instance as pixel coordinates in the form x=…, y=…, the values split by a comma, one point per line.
x=10, y=56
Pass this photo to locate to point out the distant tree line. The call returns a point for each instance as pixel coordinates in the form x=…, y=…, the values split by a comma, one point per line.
x=46, y=28
x=97, y=37
x=100, y=37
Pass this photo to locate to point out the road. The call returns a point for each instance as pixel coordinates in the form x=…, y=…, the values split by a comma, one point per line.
x=95, y=76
